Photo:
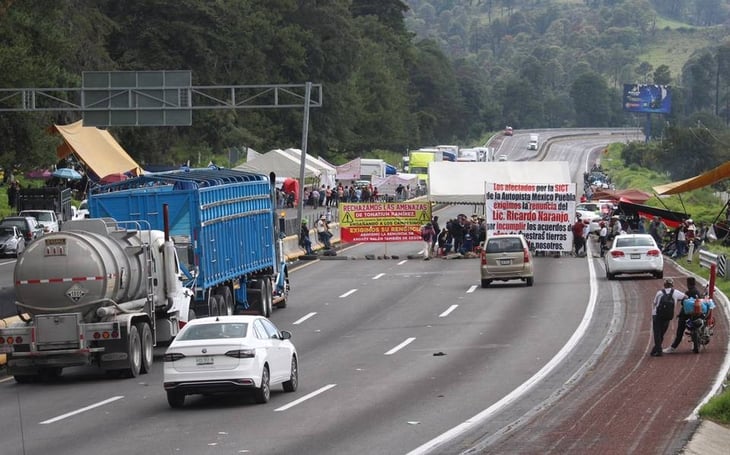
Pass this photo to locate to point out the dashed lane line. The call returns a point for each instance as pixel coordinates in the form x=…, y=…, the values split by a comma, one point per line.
x=448, y=311
x=305, y=398
x=304, y=318
x=400, y=346
x=84, y=409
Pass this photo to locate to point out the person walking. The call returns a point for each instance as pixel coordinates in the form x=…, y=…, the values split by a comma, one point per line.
x=304, y=240
x=436, y=230
x=659, y=318
x=428, y=235
x=578, y=240
x=682, y=317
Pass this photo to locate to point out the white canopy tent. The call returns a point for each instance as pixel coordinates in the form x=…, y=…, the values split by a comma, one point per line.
x=463, y=182
x=387, y=185
x=281, y=163
x=328, y=173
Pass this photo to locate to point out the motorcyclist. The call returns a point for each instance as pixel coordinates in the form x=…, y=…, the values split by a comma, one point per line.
x=691, y=292
x=603, y=237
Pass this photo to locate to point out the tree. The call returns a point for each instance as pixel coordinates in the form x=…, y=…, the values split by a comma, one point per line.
x=590, y=97
x=662, y=75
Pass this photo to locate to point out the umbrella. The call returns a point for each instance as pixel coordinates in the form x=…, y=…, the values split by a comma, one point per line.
x=39, y=174
x=67, y=173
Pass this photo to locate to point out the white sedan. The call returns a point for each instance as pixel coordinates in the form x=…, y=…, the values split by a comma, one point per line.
x=228, y=354
x=633, y=254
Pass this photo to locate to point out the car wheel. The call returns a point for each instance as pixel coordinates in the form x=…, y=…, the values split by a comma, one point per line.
x=486, y=283
x=25, y=378
x=175, y=399
x=146, y=337
x=610, y=276
x=529, y=281
x=293, y=382
x=263, y=393
x=659, y=275
x=134, y=351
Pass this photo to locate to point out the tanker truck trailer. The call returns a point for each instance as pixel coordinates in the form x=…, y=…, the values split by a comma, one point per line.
x=225, y=228
x=99, y=292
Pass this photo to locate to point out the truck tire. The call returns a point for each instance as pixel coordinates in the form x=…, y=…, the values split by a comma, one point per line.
x=134, y=352
x=217, y=305
x=227, y=295
x=268, y=296
x=145, y=333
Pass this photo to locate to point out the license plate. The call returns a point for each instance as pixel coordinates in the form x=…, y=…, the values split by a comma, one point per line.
x=205, y=360
x=505, y=261
x=635, y=256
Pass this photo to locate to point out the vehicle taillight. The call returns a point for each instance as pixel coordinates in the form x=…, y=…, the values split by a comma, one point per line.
x=525, y=255
x=242, y=353
x=656, y=253
x=617, y=254
x=483, y=257
x=172, y=356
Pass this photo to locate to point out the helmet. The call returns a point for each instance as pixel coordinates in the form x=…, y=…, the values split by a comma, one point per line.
x=304, y=221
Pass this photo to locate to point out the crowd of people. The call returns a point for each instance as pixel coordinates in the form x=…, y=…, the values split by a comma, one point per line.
x=460, y=235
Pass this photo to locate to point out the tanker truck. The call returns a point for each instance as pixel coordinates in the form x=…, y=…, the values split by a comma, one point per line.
x=98, y=292
x=159, y=250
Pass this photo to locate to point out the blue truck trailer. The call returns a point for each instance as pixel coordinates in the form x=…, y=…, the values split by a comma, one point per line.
x=225, y=229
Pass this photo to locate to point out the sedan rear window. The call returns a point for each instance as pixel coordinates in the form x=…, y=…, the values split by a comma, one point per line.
x=635, y=241
x=214, y=331
x=507, y=245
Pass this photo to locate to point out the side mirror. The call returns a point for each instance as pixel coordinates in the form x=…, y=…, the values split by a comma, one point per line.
x=285, y=334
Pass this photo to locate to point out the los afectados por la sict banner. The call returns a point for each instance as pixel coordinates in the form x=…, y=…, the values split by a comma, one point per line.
x=543, y=213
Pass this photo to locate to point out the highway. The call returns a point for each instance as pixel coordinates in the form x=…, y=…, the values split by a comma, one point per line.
x=397, y=356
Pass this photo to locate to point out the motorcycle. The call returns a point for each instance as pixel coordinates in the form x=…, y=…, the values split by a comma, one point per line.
x=700, y=322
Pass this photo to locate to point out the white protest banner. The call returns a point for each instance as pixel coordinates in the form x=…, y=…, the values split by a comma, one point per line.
x=543, y=213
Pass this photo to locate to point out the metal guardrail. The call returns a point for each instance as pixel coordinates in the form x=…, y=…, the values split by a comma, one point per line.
x=708, y=258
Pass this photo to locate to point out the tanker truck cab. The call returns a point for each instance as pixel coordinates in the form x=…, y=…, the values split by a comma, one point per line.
x=98, y=293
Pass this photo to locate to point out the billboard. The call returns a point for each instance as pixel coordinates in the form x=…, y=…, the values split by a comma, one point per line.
x=655, y=99
x=383, y=221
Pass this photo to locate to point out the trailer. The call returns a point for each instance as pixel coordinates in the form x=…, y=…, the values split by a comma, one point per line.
x=225, y=229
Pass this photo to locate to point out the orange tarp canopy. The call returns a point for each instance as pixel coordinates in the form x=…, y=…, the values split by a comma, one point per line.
x=96, y=148
x=710, y=177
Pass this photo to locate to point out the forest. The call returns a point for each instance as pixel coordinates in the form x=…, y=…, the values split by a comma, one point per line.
x=396, y=74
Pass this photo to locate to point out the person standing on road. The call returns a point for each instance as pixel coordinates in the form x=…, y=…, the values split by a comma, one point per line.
x=436, y=230
x=659, y=324
x=323, y=232
x=304, y=240
x=428, y=235
x=578, y=240
x=682, y=317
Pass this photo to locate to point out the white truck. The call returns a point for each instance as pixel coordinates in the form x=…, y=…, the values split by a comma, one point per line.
x=534, y=142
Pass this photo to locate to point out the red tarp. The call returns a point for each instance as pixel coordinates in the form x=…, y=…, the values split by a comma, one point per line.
x=291, y=186
x=630, y=195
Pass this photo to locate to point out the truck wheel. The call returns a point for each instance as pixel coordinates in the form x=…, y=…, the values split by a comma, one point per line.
x=147, y=344
x=268, y=297
x=25, y=378
x=225, y=292
x=217, y=305
x=263, y=393
x=134, y=352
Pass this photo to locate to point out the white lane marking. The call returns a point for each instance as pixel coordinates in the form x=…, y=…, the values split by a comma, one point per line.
x=378, y=276
x=400, y=346
x=304, y=318
x=448, y=311
x=350, y=292
x=79, y=411
x=483, y=416
x=8, y=263
x=471, y=289
x=6, y=379
x=403, y=262
x=305, y=398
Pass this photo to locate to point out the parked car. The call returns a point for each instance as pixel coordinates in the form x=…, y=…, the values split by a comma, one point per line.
x=506, y=257
x=27, y=225
x=634, y=254
x=225, y=354
x=83, y=211
x=47, y=219
x=12, y=242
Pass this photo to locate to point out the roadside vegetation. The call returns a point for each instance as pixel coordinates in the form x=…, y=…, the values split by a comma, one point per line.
x=703, y=205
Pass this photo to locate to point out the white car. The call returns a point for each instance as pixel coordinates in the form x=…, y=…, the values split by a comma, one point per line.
x=634, y=254
x=47, y=219
x=223, y=354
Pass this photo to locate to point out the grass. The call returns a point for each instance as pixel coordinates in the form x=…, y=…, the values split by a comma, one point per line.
x=703, y=206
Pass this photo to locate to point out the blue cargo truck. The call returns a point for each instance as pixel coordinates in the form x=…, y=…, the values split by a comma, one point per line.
x=225, y=230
